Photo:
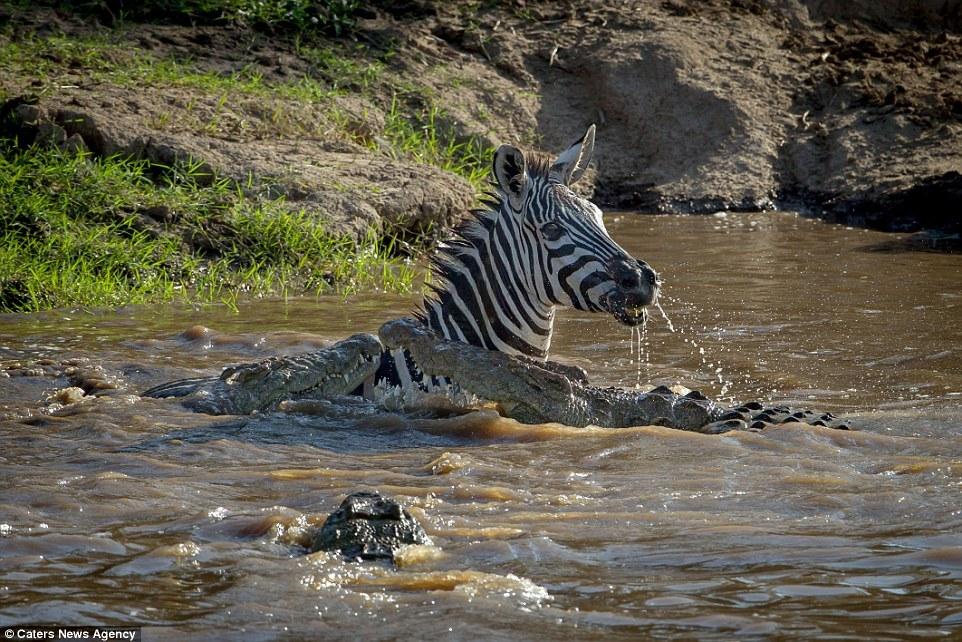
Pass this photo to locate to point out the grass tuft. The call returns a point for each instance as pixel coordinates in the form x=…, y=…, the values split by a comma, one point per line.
x=427, y=140
x=105, y=59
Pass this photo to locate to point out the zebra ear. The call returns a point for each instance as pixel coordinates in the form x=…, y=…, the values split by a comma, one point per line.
x=510, y=172
x=572, y=163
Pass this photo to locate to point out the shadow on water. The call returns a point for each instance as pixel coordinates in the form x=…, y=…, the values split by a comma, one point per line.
x=926, y=241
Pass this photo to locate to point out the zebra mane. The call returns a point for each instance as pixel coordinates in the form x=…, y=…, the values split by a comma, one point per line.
x=475, y=227
x=464, y=236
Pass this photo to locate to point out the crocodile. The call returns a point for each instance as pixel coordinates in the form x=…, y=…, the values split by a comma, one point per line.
x=368, y=526
x=532, y=391
x=524, y=389
x=242, y=389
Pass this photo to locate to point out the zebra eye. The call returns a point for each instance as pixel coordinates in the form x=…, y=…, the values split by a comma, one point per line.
x=552, y=231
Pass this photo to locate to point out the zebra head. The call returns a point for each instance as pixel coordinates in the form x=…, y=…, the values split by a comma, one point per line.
x=573, y=260
x=536, y=247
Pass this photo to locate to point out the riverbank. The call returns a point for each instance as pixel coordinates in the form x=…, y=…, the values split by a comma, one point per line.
x=376, y=122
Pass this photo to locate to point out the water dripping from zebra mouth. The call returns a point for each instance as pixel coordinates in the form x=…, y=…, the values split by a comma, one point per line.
x=131, y=511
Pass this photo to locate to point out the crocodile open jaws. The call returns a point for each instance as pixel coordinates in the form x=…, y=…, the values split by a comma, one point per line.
x=239, y=390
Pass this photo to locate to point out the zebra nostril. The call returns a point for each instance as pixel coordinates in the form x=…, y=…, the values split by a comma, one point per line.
x=627, y=275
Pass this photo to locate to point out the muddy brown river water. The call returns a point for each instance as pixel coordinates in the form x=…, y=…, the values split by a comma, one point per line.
x=120, y=510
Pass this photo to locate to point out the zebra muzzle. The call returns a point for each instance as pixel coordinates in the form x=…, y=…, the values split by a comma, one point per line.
x=636, y=287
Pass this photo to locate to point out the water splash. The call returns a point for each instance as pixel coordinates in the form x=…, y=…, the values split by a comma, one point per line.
x=713, y=368
x=643, y=345
x=671, y=326
x=638, y=349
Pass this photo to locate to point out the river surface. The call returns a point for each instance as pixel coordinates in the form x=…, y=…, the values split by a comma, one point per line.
x=120, y=510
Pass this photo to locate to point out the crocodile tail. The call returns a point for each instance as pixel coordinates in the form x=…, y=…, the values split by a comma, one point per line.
x=179, y=388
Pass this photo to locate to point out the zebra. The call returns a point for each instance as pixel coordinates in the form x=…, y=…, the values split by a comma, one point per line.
x=534, y=246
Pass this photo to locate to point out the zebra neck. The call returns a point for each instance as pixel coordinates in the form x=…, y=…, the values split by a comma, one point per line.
x=487, y=295
x=456, y=320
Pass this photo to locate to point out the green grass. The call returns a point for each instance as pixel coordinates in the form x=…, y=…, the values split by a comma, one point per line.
x=416, y=133
x=336, y=17
x=80, y=231
x=341, y=71
x=425, y=139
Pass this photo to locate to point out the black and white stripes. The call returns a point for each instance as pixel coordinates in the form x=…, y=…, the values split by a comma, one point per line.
x=534, y=247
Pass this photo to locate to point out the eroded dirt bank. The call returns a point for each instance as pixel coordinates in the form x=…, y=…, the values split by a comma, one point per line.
x=850, y=110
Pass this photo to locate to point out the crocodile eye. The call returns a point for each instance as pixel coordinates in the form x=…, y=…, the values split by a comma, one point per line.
x=552, y=231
